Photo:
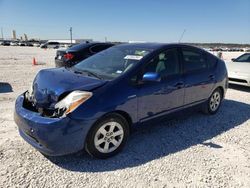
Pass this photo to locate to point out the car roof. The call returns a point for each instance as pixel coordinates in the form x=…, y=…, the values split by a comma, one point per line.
x=144, y=45
x=85, y=45
x=156, y=46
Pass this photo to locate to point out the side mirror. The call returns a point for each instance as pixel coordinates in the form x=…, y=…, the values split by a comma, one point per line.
x=233, y=59
x=151, y=77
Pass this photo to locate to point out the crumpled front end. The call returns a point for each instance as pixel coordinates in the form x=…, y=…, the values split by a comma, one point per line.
x=52, y=85
x=51, y=136
x=43, y=114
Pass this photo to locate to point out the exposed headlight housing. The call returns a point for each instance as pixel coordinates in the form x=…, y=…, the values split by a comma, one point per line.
x=29, y=93
x=74, y=99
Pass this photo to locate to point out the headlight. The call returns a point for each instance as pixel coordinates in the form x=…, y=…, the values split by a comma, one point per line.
x=29, y=93
x=31, y=89
x=72, y=101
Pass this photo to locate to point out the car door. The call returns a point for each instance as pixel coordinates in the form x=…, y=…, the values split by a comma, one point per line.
x=157, y=98
x=198, y=79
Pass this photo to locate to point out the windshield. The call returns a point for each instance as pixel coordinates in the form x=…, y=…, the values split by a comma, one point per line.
x=243, y=58
x=112, y=62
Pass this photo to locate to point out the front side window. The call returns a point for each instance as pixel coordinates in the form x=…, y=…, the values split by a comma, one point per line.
x=193, y=60
x=165, y=63
x=113, y=62
x=243, y=58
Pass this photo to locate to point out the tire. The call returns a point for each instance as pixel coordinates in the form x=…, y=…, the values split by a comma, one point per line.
x=107, y=137
x=214, y=102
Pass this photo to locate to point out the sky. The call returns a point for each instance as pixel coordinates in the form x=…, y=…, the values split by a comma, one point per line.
x=225, y=21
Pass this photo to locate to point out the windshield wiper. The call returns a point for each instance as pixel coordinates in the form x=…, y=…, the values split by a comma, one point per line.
x=89, y=73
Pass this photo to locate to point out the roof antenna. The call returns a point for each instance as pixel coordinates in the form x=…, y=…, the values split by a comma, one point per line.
x=182, y=35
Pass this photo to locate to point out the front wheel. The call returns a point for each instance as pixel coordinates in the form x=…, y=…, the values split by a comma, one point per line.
x=213, y=103
x=107, y=137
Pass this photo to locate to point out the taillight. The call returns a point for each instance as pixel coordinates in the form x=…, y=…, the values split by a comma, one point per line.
x=68, y=56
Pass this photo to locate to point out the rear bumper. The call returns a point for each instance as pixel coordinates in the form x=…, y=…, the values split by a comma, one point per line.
x=51, y=136
x=60, y=63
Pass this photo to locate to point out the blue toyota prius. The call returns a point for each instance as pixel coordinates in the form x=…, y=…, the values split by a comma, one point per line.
x=94, y=104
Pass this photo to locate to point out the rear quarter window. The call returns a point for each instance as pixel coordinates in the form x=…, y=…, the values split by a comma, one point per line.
x=211, y=60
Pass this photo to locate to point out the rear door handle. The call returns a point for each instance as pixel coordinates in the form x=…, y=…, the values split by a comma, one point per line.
x=211, y=77
x=179, y=85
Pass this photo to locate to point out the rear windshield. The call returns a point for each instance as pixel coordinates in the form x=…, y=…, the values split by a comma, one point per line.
x=78, y=47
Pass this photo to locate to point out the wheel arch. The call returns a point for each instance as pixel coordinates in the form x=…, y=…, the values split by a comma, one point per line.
x=221, y=89
x=124, y=114
x=121, y=113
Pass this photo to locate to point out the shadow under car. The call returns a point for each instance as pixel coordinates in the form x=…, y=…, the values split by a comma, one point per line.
x=239, y=87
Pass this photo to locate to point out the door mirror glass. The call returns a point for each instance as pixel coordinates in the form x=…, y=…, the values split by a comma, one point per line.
x=233, y=59
x=151, y=77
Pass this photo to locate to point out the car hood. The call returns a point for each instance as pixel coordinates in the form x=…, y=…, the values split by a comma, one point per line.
x=50, y=84
x=239, y=67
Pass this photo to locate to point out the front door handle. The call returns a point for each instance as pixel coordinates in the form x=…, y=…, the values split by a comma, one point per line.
x=160, y=92
x=179, y=85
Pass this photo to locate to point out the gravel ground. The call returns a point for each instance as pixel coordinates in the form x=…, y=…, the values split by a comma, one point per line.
x=194, y=150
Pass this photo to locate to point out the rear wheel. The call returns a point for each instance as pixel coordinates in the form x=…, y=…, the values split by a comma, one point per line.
x=213, y=103
x=107, y=137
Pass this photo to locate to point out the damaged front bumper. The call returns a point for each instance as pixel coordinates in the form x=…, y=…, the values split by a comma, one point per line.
x=51, y=136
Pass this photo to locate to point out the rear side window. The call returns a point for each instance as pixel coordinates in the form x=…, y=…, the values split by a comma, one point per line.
x=193, y=60
x=98, y=48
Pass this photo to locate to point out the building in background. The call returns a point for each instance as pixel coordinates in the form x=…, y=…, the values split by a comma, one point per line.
x=25, y=37
x=14, y=35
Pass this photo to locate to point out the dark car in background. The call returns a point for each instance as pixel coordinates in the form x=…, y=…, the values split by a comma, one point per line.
x=94, y=104
x=79, y=52
x=6, y=43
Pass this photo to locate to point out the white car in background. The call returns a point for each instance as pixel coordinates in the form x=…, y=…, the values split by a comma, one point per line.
x=36, y=44
x=14, y=43
x=239, y=70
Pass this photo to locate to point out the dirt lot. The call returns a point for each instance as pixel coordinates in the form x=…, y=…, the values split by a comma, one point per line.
x=194, y=150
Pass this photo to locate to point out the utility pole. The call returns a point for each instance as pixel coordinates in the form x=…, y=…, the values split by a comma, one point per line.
x=2, y=32
x=70, y=30
x=106, y=39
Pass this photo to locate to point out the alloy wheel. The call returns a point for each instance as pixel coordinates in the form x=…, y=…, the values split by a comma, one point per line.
x=109, y=137
x=215, y=101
